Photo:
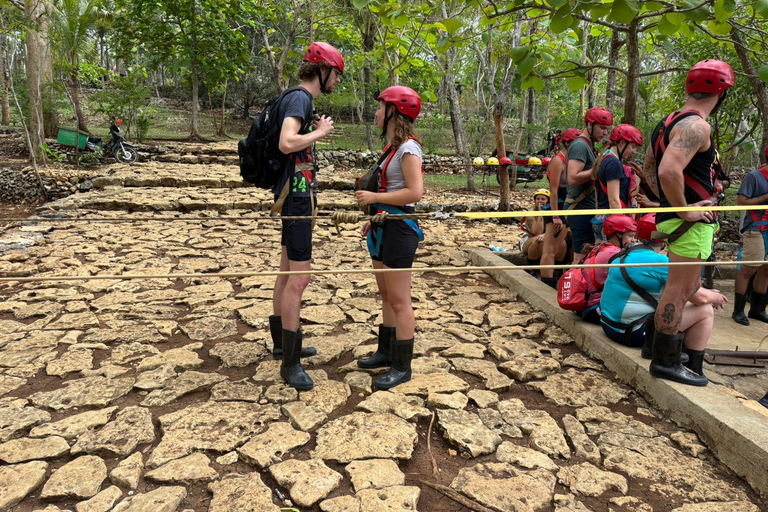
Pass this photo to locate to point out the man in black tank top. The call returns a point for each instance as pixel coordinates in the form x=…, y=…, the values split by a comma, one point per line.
x=682, y=153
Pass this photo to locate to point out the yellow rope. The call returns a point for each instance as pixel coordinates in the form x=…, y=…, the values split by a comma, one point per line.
x=608, y=211
x=275, y=273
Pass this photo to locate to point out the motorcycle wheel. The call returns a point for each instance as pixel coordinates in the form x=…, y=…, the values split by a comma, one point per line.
x=124, y=155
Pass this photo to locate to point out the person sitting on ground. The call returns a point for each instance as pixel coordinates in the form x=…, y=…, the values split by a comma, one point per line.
x=532, y=240
x=619, y=232
x=631, y=296
x=613, y=183
x=754, y=232
x=556, y=245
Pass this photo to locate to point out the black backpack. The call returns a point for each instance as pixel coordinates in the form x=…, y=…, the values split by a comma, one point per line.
x=261, y=161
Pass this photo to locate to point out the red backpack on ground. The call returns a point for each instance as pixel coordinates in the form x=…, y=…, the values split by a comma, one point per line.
x=572, y=290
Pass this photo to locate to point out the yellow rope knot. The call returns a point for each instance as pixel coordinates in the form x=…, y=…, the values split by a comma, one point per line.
x=345, y=217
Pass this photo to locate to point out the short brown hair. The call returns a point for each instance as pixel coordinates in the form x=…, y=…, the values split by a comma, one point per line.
x=310, y=70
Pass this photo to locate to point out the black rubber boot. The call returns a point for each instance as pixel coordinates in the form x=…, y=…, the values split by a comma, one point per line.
x=400, y=371
x=764, y=401
x=647, y=351
x=757, y=306
x=291, y=370
x=383, y=355
x=666, y=360
x=738, y=309
x=276, y=329
x=549, y=281
x=695, y=361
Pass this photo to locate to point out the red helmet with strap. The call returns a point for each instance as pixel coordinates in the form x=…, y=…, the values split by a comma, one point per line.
x=323, y=52
x=646, y=226
x=570, y=134
x=599, y=115
x=709, y=76
x=404, y=99
x=618, y=224
x=505, y=161
x=628, y=133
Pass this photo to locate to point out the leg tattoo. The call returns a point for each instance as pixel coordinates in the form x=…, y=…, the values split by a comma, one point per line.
x=669, y=314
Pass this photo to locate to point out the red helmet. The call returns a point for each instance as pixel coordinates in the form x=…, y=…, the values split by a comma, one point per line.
x=646, y=227
x=545, y=160
x=505, y=161
x=118, y=122
x=599, y=115
x=323, y=52
x=618, y=224
x=405, y=99
x=570, y=134
x=628, y=133
x=709, y=76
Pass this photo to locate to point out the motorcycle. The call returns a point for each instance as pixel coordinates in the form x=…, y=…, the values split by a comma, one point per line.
x=123, y=152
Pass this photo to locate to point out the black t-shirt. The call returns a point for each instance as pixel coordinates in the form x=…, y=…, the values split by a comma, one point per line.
x=296, y=104
x=611, y=169
x=699, y=168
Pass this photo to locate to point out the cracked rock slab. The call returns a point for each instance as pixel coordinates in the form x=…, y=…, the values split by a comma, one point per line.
x=80, y=478
x=582, y=444
x=162, y=499
x=16, y=416
x=524, y=457
x=366, y=436
x=374, y=474
x=398, y=498
x=8, y=383
x=545, y=434
x=155, y=379
x=308, y=481
x=483, y=398
x=18, y=480
x=410, y=408
x=447, y=401
x=215, y=426
x=246, y=493
x=326, y=396
x=580, y=389
x=422, y=385
x=128, y=472
x=22, y=450
x=719, y=506
x=235, y=354
x=187, y=470
x=241, y=391
x=179, y=358
x=586, y=479
x=503, y=488
x=86, y=392
x=102, y=502
x=530, y=367
x=494, y=379
x=340, y=504
x=131, y=427
x=74, y=426
x=465, y=430
x=70, y=361
x=269, y=447
x=188, y=382
x=304, y=417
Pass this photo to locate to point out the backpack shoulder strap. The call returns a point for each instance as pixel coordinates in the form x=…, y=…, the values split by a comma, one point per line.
x=647, y=297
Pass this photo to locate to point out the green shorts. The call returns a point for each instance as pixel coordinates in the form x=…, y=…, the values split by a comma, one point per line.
x=695, y=243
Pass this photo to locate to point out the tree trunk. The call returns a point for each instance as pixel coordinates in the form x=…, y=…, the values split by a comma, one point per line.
x=35, y=43
x=5, y=106
x=531, y=115
x=457, y=121
x=74, y=90
x=195, y=130
x=613, y=59
x=501, y=151
x=368, y=101
x=583, y=93
x=221, y=131
x=758, y=86
x=633, y=70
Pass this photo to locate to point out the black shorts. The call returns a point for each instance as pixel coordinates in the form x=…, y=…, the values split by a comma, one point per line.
x=399, y=245
x=297, y=234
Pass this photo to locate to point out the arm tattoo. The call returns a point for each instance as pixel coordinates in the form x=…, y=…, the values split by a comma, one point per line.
x=690, y=136
x=669, y=314
x=649, y=169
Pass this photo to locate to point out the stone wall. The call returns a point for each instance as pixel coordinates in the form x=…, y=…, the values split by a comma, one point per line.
x=21, y=187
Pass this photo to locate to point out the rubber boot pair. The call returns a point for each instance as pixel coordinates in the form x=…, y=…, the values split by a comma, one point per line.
x=665, y=362
x=400, y=370
x=276, y=330
x=291, y=370
x=550, y=281
x=647, y=351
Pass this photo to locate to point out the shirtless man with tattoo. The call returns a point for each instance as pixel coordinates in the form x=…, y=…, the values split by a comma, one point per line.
x=683, y=152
